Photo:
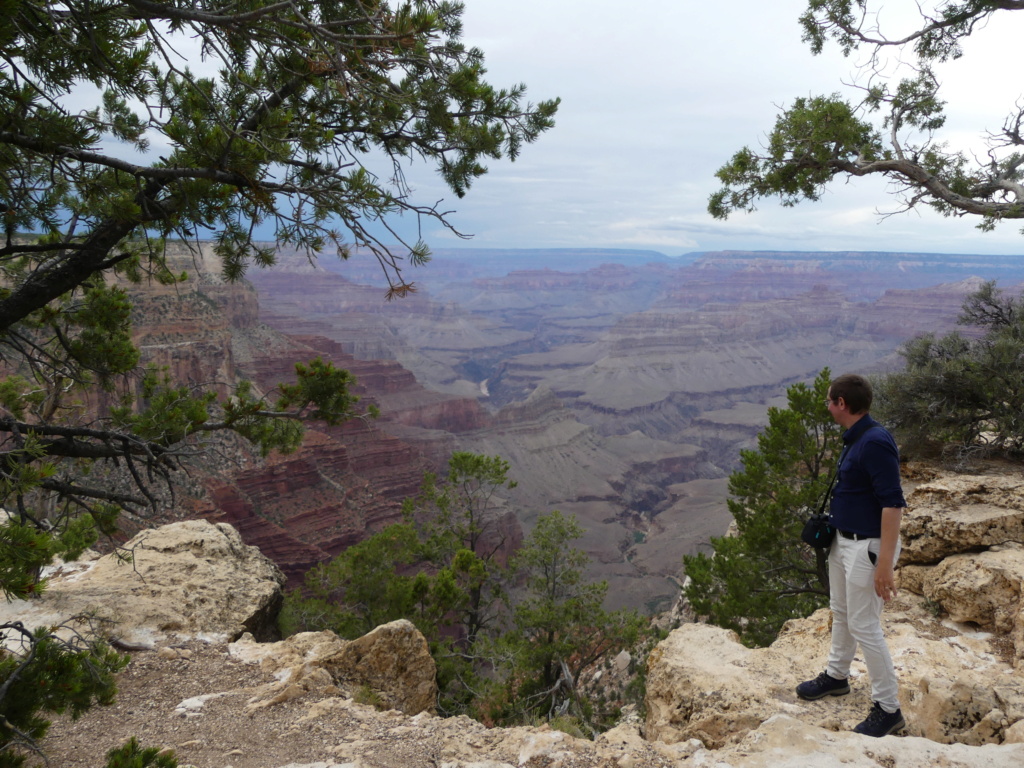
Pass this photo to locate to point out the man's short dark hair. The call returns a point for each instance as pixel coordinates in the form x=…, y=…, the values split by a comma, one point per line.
x=854, y=389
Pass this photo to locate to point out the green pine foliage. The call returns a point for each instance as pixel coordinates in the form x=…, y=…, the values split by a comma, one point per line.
x=439, y=570
x=464, y=536
x=809, y=138
x=503, y=654
x=960, y=394
x=361, y=588
x=560, y=627
x=892, y=128
x=290, y=124
x=755, y=581
x=43, y=674
x=298, y=123
x=134, y=755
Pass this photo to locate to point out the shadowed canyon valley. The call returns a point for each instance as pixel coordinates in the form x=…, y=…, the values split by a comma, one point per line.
x=619, y=385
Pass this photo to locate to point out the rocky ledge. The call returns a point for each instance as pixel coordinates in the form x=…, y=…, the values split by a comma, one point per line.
x=956, y=635
x=200, y=685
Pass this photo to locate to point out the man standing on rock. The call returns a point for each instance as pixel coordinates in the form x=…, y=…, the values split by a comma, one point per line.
x=867, y=505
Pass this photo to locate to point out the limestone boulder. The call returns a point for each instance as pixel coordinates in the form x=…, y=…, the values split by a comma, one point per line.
x=957, y=684
x=393, y=660
x=702, y=683
x=983, y=588
x=187, y=579
x=954, y=687
x=954, y=513
x=390, y=665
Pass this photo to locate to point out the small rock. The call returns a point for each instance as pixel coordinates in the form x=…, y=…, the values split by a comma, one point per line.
x=622, y=662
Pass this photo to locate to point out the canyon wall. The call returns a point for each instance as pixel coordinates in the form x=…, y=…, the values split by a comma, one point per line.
x=341, y=485
x=619, y=392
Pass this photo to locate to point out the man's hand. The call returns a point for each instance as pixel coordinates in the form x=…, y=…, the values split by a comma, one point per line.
x=885, y=583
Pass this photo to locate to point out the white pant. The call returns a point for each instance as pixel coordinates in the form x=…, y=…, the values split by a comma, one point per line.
x=857, y=618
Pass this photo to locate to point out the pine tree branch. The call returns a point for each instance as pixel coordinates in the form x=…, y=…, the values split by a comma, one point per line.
x=972, y=14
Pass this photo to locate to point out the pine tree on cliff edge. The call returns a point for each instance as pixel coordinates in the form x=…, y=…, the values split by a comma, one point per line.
x=200, y=120
x=765, y=575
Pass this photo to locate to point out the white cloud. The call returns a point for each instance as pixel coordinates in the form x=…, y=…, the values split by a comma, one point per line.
x=658, y=94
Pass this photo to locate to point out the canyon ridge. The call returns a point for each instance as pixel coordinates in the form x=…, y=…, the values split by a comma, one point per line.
x=619, y=385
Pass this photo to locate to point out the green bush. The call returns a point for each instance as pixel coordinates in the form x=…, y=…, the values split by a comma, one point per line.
x=961, y=394
x=133, y=755
x=765, y=575
x=43, y=673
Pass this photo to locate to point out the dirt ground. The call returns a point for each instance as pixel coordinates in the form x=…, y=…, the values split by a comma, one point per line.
x=314, y=729
x=221, y=734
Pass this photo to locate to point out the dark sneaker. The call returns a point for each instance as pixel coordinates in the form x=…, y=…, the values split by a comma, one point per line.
x=823, y=685
x=880, y=723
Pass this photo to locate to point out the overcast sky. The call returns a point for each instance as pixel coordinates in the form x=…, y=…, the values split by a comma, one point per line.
x=657, y=94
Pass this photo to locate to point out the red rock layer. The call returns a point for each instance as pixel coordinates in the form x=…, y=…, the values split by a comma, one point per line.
x=344, y=482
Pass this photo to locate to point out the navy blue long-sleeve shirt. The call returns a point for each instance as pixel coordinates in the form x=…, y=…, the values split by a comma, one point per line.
x=868, y=479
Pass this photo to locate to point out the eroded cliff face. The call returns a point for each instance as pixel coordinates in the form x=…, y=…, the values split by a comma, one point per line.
x=341, y=485
x=620, y=391
x=187, y=327
x=622, y=394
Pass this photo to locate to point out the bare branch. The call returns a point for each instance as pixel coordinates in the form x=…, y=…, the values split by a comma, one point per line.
x=955, y=22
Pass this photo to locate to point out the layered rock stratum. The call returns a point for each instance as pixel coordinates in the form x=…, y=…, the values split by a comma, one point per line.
x=621, y=385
